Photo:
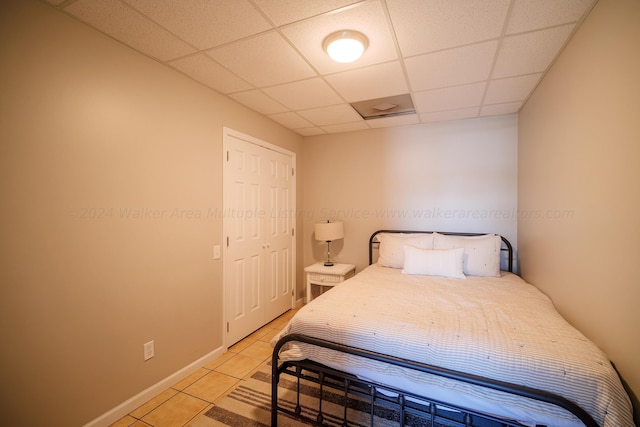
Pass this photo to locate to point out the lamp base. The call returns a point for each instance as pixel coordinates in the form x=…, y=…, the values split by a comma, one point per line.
x=328, y=264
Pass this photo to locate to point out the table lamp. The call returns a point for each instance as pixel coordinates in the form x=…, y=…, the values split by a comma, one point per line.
x=328, y=231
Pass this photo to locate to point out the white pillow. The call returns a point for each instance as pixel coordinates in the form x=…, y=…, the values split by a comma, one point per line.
x=390, y=252
x=433, y=262
x=481, y=253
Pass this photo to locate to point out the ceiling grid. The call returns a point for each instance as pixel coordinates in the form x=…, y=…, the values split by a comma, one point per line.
x=455, y=58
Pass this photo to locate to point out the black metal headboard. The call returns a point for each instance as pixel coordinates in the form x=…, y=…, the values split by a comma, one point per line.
x=506, y=245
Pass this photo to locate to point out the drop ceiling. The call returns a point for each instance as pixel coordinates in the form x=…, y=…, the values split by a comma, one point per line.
x=455, y=58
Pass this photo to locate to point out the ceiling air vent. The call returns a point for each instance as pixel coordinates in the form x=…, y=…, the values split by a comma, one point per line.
x=385, y=107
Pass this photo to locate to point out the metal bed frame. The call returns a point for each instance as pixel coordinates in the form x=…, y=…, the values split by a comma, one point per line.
x=429, y=411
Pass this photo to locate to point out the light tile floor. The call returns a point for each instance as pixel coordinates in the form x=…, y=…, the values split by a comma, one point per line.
x=184, y=402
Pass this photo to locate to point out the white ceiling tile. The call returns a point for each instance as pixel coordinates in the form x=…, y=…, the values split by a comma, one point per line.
x=367, y=18
x=500, y=109
x=385, y=122
x=267, y=54
x=512, y=89
x=331, y=115
x=207, y=71
x=317, y=93
x=345, y=127
x=291, y=120
x=528, y=15
x=450, y=98
x=258, y=101
x=263, y=60
x=451, y=67
x=441, y=116
x=130, y=27
x=428, y=25
x=287, y=11
x=205, y=23
x=531, y=52
x=375, y=81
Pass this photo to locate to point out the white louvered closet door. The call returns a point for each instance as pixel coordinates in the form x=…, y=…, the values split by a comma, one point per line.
x=258, y=223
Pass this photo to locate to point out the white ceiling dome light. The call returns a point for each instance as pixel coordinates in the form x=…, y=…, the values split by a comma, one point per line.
x=345, y=45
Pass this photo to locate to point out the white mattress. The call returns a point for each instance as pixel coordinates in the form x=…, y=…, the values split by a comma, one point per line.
x=496, y=327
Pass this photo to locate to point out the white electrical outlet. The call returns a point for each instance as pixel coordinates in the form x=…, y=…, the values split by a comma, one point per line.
x=149, y=350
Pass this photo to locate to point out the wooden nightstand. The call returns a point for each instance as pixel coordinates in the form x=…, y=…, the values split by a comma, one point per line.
x=319, y=277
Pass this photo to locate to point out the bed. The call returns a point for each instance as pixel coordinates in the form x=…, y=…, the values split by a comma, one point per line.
x=441, y=329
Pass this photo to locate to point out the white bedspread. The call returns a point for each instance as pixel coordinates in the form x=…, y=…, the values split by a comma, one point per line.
x=496, y=327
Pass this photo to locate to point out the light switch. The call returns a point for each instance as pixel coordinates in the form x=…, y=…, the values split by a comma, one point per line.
x=216, y=252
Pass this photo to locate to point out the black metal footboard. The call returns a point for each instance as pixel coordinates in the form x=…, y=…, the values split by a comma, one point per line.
x=431, y=411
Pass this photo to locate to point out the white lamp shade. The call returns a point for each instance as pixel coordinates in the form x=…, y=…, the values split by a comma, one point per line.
x=329, y=231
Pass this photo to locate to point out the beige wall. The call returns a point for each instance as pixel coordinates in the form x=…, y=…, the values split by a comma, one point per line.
x=91, y=130
x=452, y=176
x=579, y=151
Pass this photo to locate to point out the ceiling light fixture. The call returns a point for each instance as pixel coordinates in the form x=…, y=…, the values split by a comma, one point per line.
x=345, y=45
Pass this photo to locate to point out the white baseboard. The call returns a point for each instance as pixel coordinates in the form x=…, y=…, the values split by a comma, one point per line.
x=144, y=396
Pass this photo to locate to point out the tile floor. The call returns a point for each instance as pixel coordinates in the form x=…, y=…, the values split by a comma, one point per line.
x=184, y=402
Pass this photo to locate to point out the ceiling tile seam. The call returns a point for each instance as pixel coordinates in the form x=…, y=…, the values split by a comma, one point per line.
x=308, y=18
x=111, y=36
x=252, y=85
x=296, y=113
x=457, y=46
x=327, y=124
x=275, y=28
x=148, y=18
x=197, y=51
x=207, y=50
x=253, y=36
x=526, y=98
x=446, y=49
x=164, y=62
x=263, y=13
x=562, y=48
x=447, y=110
x=539, y=30
x=295, y=48
x=399, y=55
x=221, y=45
x=344, y=100
x=271, y=98
x=499, y=103
x=169, y=63
x=279, y=29
x=340, y=9
x=322, y=106
x=397, y=50
x=505, y=25
x=555, y=58
x=533, y=73
x=324, y=128
x=487, y=81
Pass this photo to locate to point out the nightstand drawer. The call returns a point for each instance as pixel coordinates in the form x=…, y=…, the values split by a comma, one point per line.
x=324, y=278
